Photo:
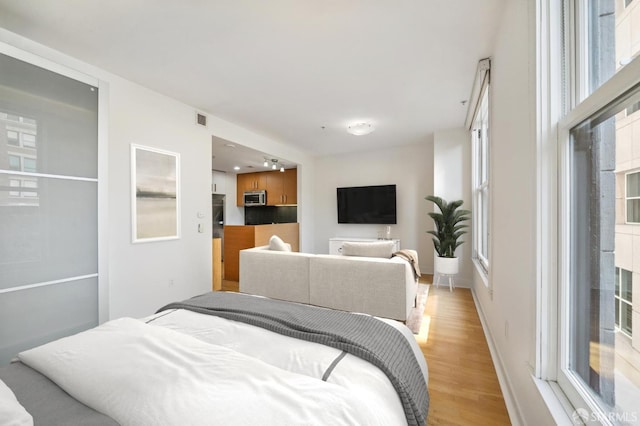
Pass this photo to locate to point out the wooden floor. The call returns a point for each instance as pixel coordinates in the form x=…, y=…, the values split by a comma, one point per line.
x=463, y=386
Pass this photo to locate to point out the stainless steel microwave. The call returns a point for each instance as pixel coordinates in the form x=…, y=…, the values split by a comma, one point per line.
x=255, y=198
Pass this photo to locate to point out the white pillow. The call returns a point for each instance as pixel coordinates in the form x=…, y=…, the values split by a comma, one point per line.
x=11, y=412
x=368, y=249
x=276, y=244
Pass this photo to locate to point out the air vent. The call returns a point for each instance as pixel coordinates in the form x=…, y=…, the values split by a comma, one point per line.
x=201, y=119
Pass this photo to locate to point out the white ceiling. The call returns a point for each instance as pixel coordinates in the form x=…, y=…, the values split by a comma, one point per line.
x=298, y=71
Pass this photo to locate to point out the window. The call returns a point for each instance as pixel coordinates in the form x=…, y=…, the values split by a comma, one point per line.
x=14, y=183
x=29, y=165
x=633, y=197
x=12, y=138
x=20, y=163
x=15, y=162
x=597, y=365
x=480, y=137
x=481, y=183
x=624, y=305
x=28, y=140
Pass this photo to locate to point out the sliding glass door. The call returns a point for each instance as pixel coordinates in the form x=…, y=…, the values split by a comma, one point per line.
x=48, y=205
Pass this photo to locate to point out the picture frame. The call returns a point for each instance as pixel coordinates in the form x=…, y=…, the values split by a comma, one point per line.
x=155, y=194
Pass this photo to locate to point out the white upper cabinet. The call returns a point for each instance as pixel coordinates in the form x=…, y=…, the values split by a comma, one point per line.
x=218, y=182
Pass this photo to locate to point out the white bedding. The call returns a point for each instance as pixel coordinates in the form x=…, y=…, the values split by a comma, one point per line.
x=188, y=368
x=11, y=412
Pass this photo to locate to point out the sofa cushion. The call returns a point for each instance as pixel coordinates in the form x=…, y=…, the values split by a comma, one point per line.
x=382, y=249
x=276, y=244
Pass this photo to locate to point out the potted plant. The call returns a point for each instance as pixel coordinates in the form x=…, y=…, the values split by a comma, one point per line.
x=446, y=237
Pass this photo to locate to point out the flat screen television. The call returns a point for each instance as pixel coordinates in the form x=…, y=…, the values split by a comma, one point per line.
x=367, y=204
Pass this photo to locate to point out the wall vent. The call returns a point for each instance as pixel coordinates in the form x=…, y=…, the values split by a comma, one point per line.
x=201, y=119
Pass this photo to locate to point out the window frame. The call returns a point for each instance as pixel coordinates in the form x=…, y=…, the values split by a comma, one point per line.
x=481, y=188
x=627, y=197
x=625, y=80
x=478, y=123
x=562, y=104
x=620, y=300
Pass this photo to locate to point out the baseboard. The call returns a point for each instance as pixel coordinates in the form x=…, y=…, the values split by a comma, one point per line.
x=515, y=413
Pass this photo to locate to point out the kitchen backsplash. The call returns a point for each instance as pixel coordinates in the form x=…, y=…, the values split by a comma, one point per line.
x=261, y=215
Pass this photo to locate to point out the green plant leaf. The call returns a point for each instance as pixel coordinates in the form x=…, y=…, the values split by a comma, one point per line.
x=449, y=223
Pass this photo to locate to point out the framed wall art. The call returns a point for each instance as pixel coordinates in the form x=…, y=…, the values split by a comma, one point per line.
x=155, y=194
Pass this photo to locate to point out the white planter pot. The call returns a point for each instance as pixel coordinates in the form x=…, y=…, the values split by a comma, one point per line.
x=446, y=265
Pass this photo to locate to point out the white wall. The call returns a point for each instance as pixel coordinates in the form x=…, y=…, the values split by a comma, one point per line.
x=452, y=181
x=143, y=277
x=510, y=312
x=410, y=167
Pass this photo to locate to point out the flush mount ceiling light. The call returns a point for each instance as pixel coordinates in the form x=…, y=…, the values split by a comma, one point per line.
x=360, y=129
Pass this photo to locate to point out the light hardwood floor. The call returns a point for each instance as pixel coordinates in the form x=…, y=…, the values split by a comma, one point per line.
x=463, y=386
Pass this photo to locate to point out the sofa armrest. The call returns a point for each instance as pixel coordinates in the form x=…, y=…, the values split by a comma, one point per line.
x=276, y=274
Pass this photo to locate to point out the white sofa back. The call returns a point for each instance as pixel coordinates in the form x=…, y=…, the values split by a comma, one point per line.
x=375, y=286
x=276, y=274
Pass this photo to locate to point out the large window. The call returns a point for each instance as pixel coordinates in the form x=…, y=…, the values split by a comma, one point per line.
x=480, y=137
x=597, y=359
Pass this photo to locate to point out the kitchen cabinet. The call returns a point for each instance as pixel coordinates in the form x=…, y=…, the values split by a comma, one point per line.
x=218, y=182
x=282, y=187
x=249, y=182
x=240, y=237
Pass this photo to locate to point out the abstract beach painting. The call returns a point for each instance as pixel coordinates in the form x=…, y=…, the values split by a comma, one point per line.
x=155, y=176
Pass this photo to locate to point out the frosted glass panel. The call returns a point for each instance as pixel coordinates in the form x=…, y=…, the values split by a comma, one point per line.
x=48, y=230
x=35, y=316
x=48, y=122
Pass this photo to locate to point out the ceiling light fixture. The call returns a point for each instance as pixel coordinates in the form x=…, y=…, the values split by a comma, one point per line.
x=360, y=129
x=274, y=164
x=266, y=163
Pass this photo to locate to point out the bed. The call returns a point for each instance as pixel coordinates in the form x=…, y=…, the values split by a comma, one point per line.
x=223, y=358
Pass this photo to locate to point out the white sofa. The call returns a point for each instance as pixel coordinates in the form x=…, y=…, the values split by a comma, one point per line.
x=384, y=287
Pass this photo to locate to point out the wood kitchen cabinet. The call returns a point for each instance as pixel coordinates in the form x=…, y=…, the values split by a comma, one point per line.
x=239, y=237
x=282, y=188
x=249, y=182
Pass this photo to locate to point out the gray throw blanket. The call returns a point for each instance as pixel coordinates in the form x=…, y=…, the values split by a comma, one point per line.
x=360, y=335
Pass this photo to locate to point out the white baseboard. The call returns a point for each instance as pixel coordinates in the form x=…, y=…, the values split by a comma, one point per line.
x=515, y=413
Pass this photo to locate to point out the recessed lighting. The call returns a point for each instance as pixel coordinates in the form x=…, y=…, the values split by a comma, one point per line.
x=236, y=167
x=360, y=129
